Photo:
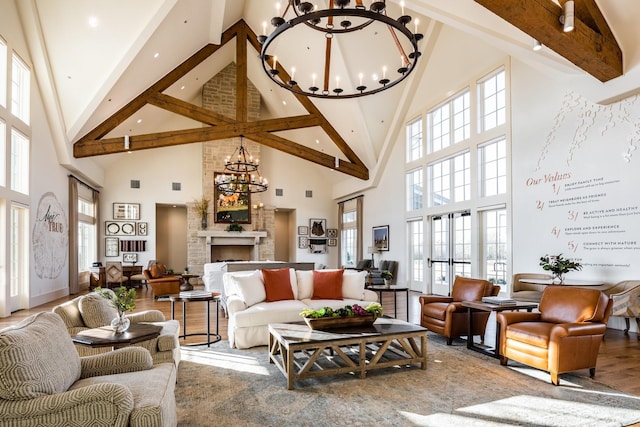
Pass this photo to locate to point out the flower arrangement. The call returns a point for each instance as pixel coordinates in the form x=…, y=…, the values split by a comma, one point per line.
x=558, y=265
x=201, y=206
x=386, y=274
x=122, y=299
x=346, y=311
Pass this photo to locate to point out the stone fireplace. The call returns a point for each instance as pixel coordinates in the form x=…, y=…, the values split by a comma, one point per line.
x=256, y=242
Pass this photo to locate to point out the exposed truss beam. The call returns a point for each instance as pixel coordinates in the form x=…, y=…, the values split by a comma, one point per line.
x=591, y=45
x=218, y=126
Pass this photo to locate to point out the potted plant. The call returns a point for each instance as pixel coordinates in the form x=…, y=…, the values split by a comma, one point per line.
x=387, y=276
x=558, y=266
x=202, y=207
x=235, y=227
x=123, y=300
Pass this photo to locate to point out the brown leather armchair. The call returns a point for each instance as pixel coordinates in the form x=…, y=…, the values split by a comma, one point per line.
x=446, y=315
x=564, y=336
x=160, y=283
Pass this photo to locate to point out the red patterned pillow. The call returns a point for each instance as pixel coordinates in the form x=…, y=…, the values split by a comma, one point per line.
x=277, y=284
x=327, y=284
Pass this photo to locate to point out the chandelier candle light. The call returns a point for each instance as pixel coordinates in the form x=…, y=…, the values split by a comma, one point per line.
x=241, y=176
x=386, y=43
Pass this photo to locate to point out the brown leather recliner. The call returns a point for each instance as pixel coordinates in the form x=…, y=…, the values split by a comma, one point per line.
x=564, y=336
x=446, y=315
x=160, y=283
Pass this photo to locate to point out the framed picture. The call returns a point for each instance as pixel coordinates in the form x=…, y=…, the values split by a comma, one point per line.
x=303, y=230
x=318, y=246
x=317, y=227
x=126, y=211
x=142, y=228
x=333, y=242
x=332, y=233
x=111, y=246
x=303, y=242
x=119, y=228
x=381, y=237
x=232, y=208
x=132, y=258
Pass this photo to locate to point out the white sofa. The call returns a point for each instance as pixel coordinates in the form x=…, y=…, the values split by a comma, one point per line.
x=250, y=313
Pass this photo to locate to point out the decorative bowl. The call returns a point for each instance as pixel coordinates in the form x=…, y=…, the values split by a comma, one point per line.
x=322, y=323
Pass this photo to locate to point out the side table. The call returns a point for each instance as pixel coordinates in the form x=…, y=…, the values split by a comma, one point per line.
x=205, y=297
x=483, y=306
x=186, y=286
x=105, y=337
x=395, y=289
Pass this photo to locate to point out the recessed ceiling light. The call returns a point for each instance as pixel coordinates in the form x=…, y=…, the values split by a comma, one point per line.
x=317, y=141
x=155, y=55
x=284, y=102
x=139, y=120
x=93, y=22
x=182, y=88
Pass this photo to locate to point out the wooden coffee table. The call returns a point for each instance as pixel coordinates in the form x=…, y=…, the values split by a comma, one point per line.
x=105, y=337
x=300, y=352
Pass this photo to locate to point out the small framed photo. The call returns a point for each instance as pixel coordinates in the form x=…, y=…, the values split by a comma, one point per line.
x=303, y=230
x=142, y=229
x=381, y=237
x=332, y=242
x=129, y=211
x=132, y=258
x=332, y=233
x=303, y=242
x=111, y=246
x=317, y=227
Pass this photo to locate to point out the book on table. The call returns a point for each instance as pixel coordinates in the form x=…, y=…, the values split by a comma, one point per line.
x=194, y=294
x=499, y=300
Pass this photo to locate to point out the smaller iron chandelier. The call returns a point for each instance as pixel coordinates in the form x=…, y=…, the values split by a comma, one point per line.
x=241, y=176
x=333, y=22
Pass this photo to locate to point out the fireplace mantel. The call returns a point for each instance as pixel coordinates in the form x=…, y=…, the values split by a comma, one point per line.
x=232, y=238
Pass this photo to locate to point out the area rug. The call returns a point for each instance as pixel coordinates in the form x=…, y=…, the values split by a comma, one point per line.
x=226, y=387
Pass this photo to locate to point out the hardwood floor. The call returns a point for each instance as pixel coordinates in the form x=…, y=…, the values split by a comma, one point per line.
x=618, y=362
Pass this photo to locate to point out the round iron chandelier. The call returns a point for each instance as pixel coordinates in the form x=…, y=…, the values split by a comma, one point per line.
x=241, y=175
x=335, y=22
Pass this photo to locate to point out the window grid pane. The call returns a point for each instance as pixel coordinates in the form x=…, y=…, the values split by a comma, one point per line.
x=18, y=251
x=440, y=128
x=440, y=178
x=494, y=168
x=492, y=93
x=20, y=89
x=414, y=190
x=495, y=245
x=3, y=73
x=348, y=246
x=414, y=140
x=416, y=232
x=3, y=151
x=462, y=177
x=19, y=162
x=461, y=118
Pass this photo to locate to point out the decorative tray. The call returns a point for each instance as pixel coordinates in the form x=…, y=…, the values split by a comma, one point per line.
x=339, y=322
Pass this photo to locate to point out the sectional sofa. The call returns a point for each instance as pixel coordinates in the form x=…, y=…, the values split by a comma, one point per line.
x=259, y=297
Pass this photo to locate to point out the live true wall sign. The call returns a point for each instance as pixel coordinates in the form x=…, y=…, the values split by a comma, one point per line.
x=50, y=237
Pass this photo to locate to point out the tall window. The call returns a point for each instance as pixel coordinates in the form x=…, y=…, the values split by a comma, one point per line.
x=414, y=190
x=19, y=255
x=492, y=96
x=450, y=180
x=450, y=123
x=414, y=140
x=20, y=89
x=3, y=152
x=19, y=162
x=3, y=73
x=416, y=252
x=86, y=234
x=493, y=159
x=495, y=245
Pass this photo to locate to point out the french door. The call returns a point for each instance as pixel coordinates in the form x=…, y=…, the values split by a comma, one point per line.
x=450, y=250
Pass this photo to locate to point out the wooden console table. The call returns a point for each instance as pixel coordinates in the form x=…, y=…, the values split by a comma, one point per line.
x=98, y=277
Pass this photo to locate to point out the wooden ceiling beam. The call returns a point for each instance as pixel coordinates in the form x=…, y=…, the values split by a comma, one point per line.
x=595, y=51
x=219, y=126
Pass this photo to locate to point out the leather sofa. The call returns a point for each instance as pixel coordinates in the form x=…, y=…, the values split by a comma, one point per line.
x=46, y=383
x=93, y=311
x=446, y=315
x=250, y=309
x=565, y=334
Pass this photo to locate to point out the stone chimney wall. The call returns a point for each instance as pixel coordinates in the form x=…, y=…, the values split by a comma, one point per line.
x=219, y=95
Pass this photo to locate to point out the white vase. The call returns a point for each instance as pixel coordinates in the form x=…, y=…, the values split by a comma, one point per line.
x=120, y=323
x=387, y=283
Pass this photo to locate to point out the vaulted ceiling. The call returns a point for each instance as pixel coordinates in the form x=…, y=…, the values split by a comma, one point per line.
x=95, y=57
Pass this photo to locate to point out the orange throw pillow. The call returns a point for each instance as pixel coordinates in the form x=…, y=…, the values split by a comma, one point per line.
x=277, y=284
x=327, y=284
